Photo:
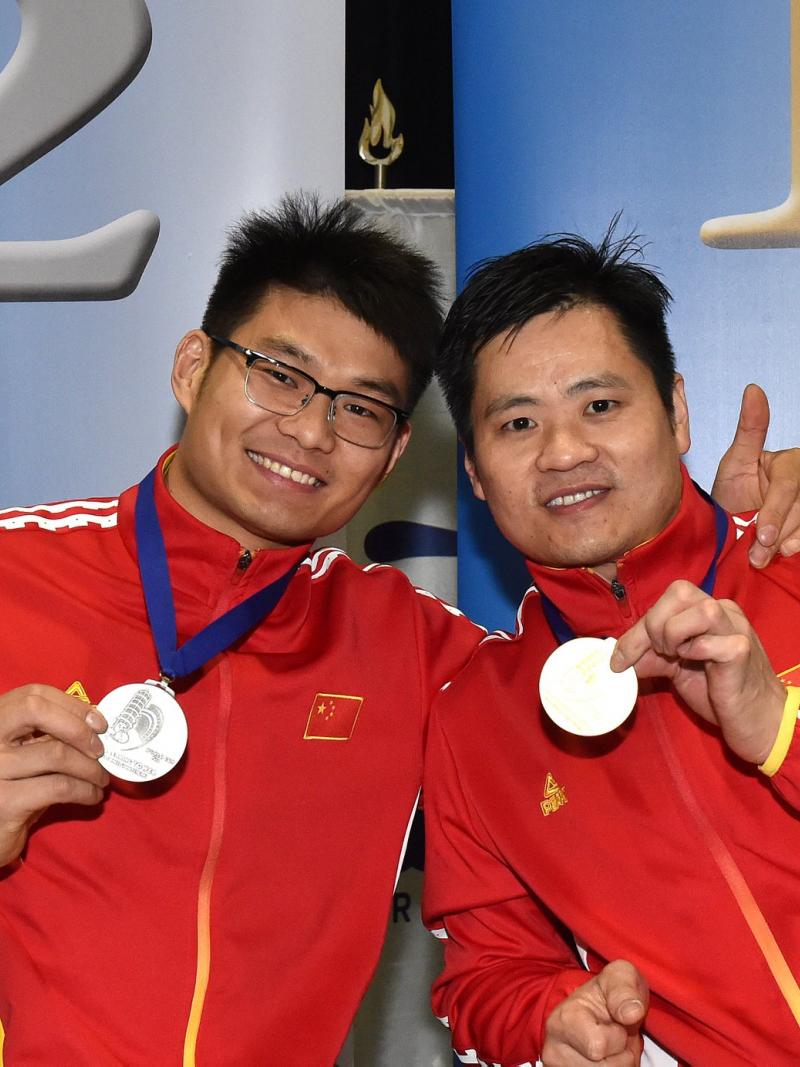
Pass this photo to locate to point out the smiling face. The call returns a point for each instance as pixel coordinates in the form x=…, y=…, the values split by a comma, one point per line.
x=275, y=480
x=574, y=451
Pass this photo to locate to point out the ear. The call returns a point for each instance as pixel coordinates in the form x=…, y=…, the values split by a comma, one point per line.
x=401, y=440
x=192, y=359
x=681, y=417
x=472, y=474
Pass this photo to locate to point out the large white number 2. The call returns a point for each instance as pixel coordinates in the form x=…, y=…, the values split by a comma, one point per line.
x=72, y=60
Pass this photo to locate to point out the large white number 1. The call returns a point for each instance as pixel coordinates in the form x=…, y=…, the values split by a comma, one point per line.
x=72, y=60
x=776, y=227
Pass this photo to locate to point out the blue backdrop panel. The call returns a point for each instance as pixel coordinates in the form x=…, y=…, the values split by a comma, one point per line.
x=674, y=113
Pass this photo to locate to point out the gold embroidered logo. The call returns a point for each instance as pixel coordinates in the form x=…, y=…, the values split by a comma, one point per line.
x=77, y=690
x=332, y=717
x=555, y=796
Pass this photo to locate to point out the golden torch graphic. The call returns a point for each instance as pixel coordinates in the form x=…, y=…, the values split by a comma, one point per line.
x=379, y=128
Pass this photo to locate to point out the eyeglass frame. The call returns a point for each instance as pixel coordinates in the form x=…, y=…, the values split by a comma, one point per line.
x=251, y=358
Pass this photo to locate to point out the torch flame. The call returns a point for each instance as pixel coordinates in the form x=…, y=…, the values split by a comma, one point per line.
x=379, y=129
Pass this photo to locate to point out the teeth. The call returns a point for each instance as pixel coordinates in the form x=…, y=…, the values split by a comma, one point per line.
x=572, y=498
x=283, y=470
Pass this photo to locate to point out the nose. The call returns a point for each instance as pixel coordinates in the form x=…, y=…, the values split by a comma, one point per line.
x=311, y=427
x=564, y=446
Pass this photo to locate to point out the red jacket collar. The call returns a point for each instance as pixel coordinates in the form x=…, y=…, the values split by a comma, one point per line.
x=683, y=549
x=203, y=562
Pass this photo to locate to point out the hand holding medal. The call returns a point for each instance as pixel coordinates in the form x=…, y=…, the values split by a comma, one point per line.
x=715, y=662
x=49, y=752
x=588, y=686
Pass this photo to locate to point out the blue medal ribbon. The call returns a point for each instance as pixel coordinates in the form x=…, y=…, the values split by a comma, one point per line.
x=563, y=632
x=217, y=636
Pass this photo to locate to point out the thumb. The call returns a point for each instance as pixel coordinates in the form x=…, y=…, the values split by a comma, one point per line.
x=625, y=992
x=751, y=429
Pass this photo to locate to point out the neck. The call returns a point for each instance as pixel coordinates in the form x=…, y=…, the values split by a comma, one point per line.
x=606, y=570
x=184, y=492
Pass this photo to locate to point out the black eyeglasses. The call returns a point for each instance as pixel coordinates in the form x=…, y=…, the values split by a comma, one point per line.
x=282, y=389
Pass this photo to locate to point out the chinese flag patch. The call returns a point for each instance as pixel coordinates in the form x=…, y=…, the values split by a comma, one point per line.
x=332, y=717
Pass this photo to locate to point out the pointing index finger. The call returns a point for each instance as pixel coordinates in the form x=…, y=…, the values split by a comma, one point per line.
x=779, y=517
x=630, y=647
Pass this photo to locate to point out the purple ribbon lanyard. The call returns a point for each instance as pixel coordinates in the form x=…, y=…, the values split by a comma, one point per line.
x=563, y=632
x=220, y=634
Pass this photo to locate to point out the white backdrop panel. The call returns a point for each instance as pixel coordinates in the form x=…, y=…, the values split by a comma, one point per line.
x=235, y=104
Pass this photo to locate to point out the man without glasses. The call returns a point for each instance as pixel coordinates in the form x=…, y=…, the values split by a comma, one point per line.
x=662, y=852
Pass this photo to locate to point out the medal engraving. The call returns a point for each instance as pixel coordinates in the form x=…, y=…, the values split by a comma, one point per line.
x=146, y=734
x=581, y=693
x=138, y=722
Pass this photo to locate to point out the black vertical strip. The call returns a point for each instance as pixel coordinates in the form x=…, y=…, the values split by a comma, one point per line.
x=407, y=44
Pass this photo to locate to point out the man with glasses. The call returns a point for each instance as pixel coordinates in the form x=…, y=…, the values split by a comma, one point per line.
x=230, y=910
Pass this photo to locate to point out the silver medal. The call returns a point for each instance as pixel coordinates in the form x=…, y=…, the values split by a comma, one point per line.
x=147, y=731
x=581, y=693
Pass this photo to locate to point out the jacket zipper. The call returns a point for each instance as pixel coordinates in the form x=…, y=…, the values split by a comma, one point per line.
x=620, y=594
x=206, y=884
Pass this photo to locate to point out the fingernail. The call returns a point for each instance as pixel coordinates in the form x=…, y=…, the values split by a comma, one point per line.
x=631, y=1011
x=788, y=548
x=767, y=535
x=758, y=555
x=617, y=661
x=97, y=745
x=96, y=721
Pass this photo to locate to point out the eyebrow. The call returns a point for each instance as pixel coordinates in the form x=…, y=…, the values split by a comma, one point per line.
x=380, y=385
x=504, y=403
x=284, y=347
x=601, y=381
x=584, y=385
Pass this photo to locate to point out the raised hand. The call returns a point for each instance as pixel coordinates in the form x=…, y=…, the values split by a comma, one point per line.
x=750, y=479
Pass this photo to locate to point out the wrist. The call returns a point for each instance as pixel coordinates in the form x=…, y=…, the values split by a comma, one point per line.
x=783, y=739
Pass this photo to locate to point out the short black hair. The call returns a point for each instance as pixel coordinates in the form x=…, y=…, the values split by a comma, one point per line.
x=332, y=250
x=560, y=272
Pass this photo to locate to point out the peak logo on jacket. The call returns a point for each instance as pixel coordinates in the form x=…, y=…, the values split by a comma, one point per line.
x=555, y=796
x=332, y=717
x=77, y=690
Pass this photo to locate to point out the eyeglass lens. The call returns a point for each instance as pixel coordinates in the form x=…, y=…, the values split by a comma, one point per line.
x=285, y=391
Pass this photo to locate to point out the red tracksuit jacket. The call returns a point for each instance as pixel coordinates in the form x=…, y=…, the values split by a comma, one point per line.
x=652, y=844
x=232, y=913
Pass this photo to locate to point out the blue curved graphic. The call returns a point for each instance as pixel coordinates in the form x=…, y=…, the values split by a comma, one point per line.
x=390, y=541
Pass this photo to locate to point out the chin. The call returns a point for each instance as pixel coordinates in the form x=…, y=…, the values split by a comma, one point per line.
x=591, y=556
